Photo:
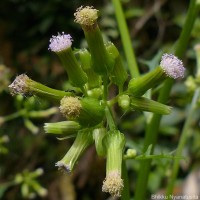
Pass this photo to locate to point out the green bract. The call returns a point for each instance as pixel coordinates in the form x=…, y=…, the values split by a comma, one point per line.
x=82, y=142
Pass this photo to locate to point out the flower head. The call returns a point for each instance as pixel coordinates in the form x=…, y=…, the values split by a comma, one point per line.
x=86, y=16
x=63, y=167
x=70, y=107
x=60, y=42
x=113, y=184
x=172, y=66
x=19, y=85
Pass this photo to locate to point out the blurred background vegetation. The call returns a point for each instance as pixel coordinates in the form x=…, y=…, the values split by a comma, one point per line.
x=27, y=155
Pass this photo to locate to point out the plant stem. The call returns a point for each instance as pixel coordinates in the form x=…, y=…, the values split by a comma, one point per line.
x=110, y=120
x=126, y=40
x=125, y=191
x=151, y=134
x=15, y=115
x=182, y=141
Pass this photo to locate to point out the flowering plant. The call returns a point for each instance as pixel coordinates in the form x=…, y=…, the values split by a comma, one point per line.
x=89, y=111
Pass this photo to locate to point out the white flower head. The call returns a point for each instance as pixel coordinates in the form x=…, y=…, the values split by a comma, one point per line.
x=19, y=85
x=63, y=167
x=86, y=16
x=113, y=184
x=70, y=107
x=60, y=42
x=172, y=66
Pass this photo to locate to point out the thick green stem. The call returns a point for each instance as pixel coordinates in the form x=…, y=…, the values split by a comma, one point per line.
x=125, y=191
x=153, y=126
x=126, y=40
x=182, y=141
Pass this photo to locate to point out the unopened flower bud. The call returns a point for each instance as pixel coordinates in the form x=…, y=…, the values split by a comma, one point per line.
x=145, y=104
x=66, y=128
x=130, y=154
x=95, y=93
x=98, y=135
x=93, y=78
x=119, y=75
x=61, y=45
x=102, y=61
x=114, y=142
x=82, y=142
x=170, y=67
x=124, y=101
x=27, y=87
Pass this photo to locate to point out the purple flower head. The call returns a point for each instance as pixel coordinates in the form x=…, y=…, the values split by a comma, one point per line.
x=172, y=66
x=60, y=42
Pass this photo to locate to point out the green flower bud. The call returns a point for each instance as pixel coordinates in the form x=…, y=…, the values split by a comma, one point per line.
x=82, y=142
x=67, y=128
x=118, y=75
x=92, y=112
x=191, y=84
x=25, y=86
x=87, y=111
x=130, y=154
x=98, y=135
x=114, y=143
x=93, y=79
x=170, y=66
x=124, y=101
x=61, y=45
x=144, y=104
x=102, y=61
x=95, y=93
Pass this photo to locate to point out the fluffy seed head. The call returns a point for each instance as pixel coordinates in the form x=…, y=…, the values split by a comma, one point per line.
x=60, y=42
x=63, y=167
x=86, y=16
x=70, y=107
x=172, y=66
x=19, y=85
x=113, y=184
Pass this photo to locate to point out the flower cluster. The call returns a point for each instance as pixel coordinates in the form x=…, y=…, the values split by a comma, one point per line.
x=88, y=113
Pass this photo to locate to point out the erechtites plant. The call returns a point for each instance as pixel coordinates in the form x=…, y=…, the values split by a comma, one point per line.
x=102, y=61
x=90, y=115
x=61, y=45
x=170, y=67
